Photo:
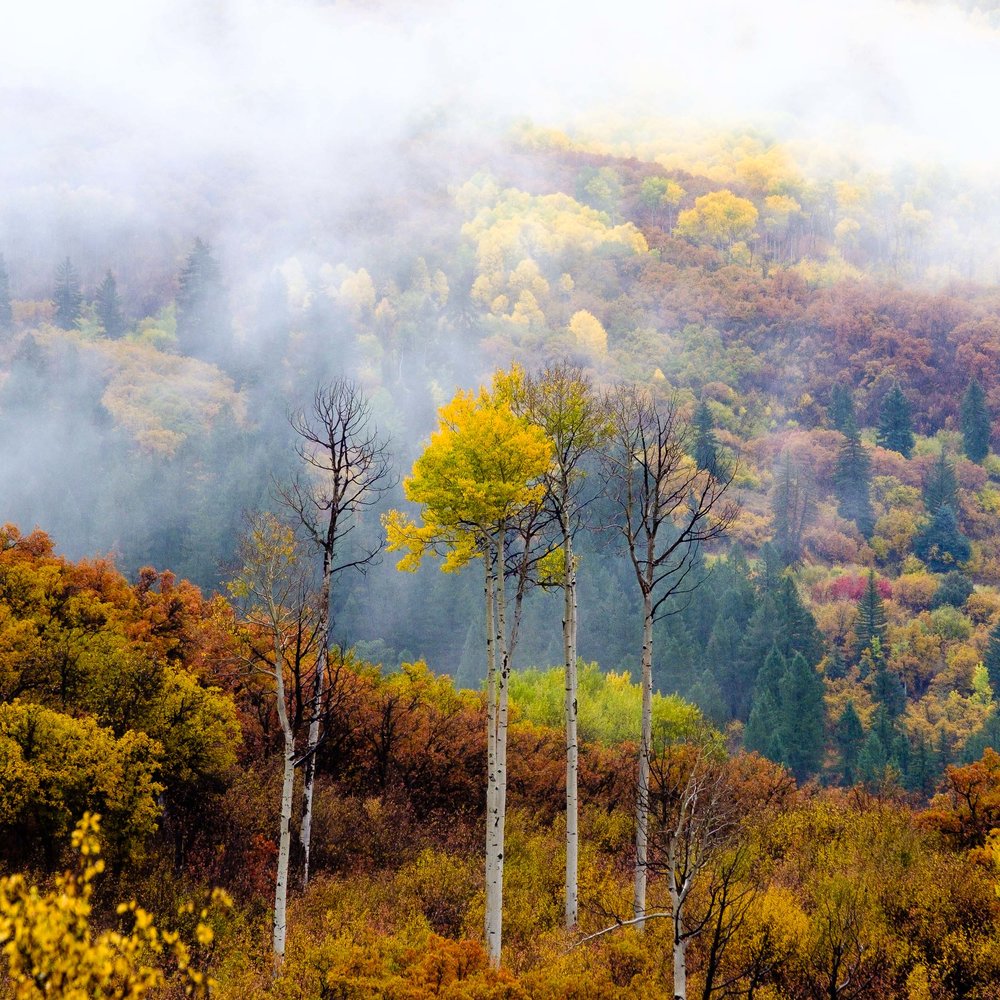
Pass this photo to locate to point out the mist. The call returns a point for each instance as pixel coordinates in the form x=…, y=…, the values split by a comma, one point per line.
x=314, y=139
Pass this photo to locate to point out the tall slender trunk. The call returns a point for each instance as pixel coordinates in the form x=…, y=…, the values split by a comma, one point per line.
x=678, y=894
x=312, y=743
x=645, y=745
x=502, y=687
x=493, y=891
x=285, y=833
x=284, y=846
x=572, y=748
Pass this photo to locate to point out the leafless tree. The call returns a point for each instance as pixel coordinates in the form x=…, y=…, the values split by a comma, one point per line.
x=666, y=509
x=279, y=610
x=347, y=469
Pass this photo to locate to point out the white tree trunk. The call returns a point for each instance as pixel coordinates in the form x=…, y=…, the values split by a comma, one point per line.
x=287, y=788
x=678, y=894
x=680, y=967
x=312, y=743
x=493, y=891
x=284, y=845
x=502, y=679
x=645, y=745
x=572, y=748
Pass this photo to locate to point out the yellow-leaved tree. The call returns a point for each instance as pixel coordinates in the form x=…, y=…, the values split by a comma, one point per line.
x=479, y=485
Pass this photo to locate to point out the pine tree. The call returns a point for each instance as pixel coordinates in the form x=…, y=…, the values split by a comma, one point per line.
x=888, y=689
x=706, y=448
x=940, y=545
x=67, y=295
x=801, y=716
x=109, y=307
x=852, y=481
x=761, y=733
x=203, y=322
x=976, y=422
x=848, y=738
x=6, y=311
x=793, y=507
x=941, y=486
x=783, y=622
x=871, y=621
x=895, y=430
x=920, y=773
x=872, y=760
x=841, y=409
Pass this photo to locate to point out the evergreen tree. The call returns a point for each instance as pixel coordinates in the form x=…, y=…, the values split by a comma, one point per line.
x=836, y=665
x=848, y=738
x=707, y=695
x=706, y=448
x=853, y=484
x=976, y=422
x=761, y=733
x=109, y=307
x=783, y=622
x=987, y=735
x=955, y=589
x=895, y=430
x=203, y=322
x=942, y=751
x=991, y=660
x=887, y=688
x=6, y=311
x=67, y=295
x=941, y=486
x=793, y=507
x=940, y=545
x=920, y=774
x=841, y=409
x=800, y=718
x=872, y=759
x=869, y=628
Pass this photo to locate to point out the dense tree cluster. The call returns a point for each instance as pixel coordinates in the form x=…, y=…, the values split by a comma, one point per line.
x=805, y=682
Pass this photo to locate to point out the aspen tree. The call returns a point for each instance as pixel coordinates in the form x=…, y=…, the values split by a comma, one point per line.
x=666, y=509
x=563, y=402
x=347, y=469
x=479, y=476
x=273, y=591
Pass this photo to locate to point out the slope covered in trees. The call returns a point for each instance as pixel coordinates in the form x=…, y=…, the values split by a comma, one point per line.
x=829, y=654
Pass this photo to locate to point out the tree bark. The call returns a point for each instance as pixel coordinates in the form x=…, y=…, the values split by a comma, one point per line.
x=312, y=742
x=503, y=677
x=287, y=788
x=645, y=748
x=284, y=845
x=493, y=885
x=572, y=748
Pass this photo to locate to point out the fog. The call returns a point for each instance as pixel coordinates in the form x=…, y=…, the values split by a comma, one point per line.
x=294, y=134
x=118, y=111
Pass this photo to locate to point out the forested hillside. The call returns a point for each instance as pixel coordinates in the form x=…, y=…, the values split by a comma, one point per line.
x=482, y=556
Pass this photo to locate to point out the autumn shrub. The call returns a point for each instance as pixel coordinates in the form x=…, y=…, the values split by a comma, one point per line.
x=949, y=623
x=440, y=886
x=916, y=590
x=50, y=946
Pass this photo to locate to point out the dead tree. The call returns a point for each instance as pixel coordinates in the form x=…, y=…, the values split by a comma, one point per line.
x=347, y=469
x=667, y=508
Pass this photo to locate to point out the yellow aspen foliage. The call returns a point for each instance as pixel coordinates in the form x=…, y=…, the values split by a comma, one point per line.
x=48, y=947
x=357, y=292
x=482, y=466
x=588, y=332
x=718, y=218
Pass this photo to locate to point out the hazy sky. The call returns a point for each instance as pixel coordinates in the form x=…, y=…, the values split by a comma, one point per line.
x=98, y=92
